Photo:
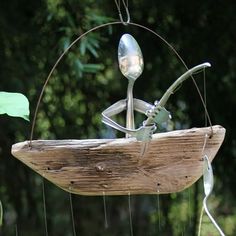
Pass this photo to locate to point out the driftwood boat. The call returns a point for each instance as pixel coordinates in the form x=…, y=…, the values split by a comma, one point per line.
x=173, y=162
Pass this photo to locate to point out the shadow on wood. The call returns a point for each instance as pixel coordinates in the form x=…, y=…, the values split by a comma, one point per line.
x=172, y=163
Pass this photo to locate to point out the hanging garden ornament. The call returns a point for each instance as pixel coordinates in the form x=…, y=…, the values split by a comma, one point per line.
x=113, y=166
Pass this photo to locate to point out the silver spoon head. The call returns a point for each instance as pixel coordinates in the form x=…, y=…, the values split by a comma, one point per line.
x=130, y=57
x=208, y=179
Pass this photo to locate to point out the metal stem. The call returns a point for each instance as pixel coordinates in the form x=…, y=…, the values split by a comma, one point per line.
x=210, y=216
x=130, y=107
x=172, y=88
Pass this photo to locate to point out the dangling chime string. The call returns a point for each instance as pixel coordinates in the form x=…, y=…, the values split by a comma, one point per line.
x=130, y=215
x=205, y=93
x=189, y=206
x=105, y=211
x=16, y=230
x=72, y=215
x=45, y=210
x=200, y=221
x=158, y=212
x=202, y=208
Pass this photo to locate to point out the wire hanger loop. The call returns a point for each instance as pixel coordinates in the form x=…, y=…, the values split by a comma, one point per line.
x=126, y=10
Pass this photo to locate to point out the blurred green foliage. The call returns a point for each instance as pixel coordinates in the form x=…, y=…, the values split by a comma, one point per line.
x=34, y=33
x=14, y=104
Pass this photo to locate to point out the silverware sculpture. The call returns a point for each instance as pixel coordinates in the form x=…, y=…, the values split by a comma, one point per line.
x=131, y=65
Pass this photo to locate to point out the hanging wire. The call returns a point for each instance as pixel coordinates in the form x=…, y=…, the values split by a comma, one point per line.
x=130, y=216
x=72, y=215
x=105, y=211
x=44, y=209
x=189, y=206
x=126, y=6
x=159, y=212
x=202, y=209
x=200, y=221
x=16, y=230
x=205, y=93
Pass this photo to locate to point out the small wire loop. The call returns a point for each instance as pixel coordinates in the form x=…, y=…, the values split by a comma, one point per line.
x=120, y=14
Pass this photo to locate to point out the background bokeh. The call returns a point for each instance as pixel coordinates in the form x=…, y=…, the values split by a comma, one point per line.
x=34, y=33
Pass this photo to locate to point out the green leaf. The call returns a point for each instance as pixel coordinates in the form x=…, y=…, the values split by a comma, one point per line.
x=92, y=50
x=93, y=68
x=1, y=213
x=83, y=46
x=14, y=104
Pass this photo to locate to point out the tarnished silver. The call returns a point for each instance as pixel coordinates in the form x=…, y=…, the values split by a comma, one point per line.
x=143, y=133
x=131, y=64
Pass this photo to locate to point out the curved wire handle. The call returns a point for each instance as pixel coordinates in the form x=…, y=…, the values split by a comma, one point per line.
x=94, y=29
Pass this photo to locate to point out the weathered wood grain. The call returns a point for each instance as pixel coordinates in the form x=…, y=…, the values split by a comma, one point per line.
x=114, y=166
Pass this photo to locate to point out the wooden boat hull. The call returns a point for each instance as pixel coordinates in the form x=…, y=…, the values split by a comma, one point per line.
x=172, y=163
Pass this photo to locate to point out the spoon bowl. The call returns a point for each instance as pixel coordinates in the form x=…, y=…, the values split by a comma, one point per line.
x=130, y=57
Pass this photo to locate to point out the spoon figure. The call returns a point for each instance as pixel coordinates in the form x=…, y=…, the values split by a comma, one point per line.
x=131, y=64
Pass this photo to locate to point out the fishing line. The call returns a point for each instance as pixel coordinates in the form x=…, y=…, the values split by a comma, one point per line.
x=72, y=215
x=205, y=118
x=16, y=230
x=130, y=215
x=105, y=211
x=205, y=93
x=44, y=209
x=158, y=212
x=200, y=221
x=189, y=206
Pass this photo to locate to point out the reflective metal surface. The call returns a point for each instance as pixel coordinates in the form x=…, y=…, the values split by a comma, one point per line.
x=131, y=65
x=130, y=57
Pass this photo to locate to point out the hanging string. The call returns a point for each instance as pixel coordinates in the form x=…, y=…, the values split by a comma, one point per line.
x=105, y=210
x=205, y=93
x=158, y=212
x=189, y=206
x=126, y=6
x=44, y=210
x=16, y=230
x=202, y=208
x=200, y=221
x=72, y=215
x=130, y=216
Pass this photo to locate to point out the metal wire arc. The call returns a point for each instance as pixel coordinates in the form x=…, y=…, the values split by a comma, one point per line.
x=54, y=67
x=94, y=29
